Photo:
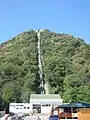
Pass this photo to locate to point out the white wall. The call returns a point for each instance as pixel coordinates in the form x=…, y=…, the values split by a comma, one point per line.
x=23, y=107
x=20, y=107
x=46, y=109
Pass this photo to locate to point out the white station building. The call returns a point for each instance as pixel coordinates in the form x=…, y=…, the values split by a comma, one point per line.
x=43, y=103
x=39, y=103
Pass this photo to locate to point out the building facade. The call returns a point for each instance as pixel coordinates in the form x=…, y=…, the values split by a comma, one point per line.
x=39, y=103
x=43, y=103
x=19, y=108
x=69, y=110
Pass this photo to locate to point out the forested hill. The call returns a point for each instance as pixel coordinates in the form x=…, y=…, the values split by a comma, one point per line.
x=18, y=67
x=66, y=66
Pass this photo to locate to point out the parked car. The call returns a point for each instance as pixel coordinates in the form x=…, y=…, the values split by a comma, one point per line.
x=54, y=117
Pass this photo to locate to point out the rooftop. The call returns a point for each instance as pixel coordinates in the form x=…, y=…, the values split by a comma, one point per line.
x=75, y=104
x=45, y=96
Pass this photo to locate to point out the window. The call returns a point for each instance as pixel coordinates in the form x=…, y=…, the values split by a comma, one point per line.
x=42, y=105
x=27, y=107
x=19, y=105
x=24, y=107
x=46, y=105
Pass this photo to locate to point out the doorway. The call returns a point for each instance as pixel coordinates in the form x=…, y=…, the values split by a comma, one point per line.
x=36, y=108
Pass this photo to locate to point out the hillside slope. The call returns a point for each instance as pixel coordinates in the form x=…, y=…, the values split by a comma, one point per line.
x=65, y=60
x=18, y=67
x=66, y=63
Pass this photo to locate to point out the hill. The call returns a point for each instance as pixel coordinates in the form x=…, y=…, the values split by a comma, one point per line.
x=65, y=60
x=18, y=67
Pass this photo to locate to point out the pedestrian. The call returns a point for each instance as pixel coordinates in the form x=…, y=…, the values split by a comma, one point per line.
x=5, y=117
x=38, y=118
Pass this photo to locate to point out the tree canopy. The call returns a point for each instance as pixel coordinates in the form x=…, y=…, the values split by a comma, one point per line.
x=66, y=66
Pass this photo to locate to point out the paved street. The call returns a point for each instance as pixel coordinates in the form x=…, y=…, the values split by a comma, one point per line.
x=42, y=118
x=35, y=118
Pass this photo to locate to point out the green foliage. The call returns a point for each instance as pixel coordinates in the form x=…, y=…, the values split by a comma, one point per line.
x=66, y=65
x=8, y=92
x=18, y=67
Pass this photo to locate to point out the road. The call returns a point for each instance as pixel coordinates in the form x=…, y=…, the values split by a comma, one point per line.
x=35, y=118
x=42, y=118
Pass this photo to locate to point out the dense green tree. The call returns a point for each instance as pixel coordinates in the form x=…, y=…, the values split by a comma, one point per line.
x=18, y=67
x=66, y=66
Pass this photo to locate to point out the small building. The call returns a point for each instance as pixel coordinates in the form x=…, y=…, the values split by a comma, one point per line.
x=70, y=110
x=43, y=103
x=19, y=108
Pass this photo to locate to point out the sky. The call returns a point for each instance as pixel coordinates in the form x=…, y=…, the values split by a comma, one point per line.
x=61, y=16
